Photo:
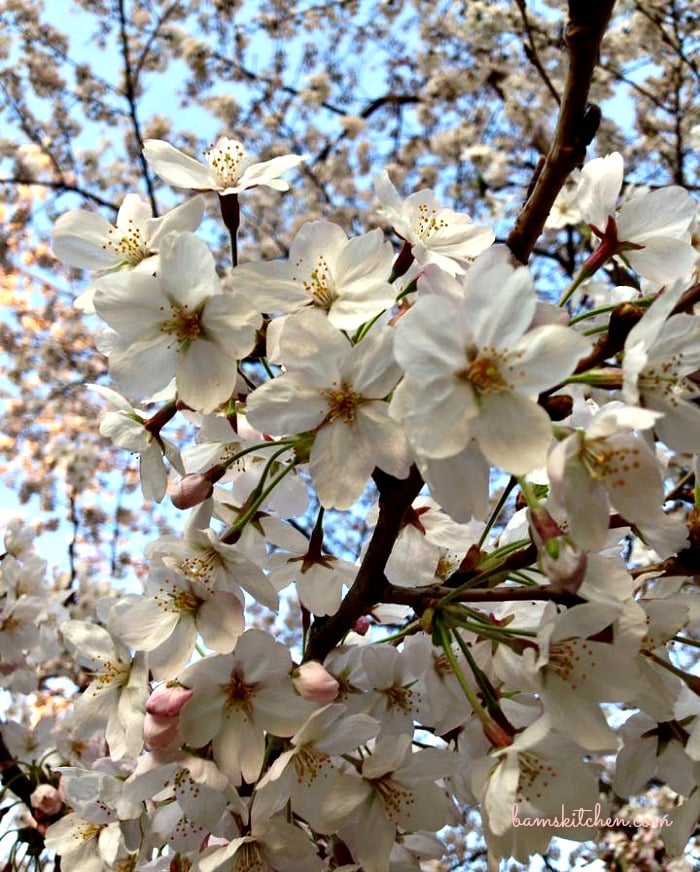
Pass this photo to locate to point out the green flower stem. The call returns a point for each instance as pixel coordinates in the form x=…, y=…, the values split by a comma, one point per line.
x=244, y=519
x=583, y=274
x=446, y=643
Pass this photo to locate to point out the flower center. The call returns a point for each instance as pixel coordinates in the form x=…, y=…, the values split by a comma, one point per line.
x=200, y=567
x=227, y=161
x=238, y=695
x=342, y=403
x=610, y=465
x=533, y=769
x=393, y=796
x=249, y=859
x=185, y=324
x=426, y=223
x=308, y=764
x=572, y=660
x=483, y=373
x=320, y=285
x=128, y=243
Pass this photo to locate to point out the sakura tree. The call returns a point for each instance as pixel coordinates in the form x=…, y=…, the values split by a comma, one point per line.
x=412, y=379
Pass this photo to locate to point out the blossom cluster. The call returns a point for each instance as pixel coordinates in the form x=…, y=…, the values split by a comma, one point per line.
x=435, y=370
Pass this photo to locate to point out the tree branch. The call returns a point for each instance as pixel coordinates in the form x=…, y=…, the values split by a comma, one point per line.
x=395, y=497
x=575, y=126
x=130, y=94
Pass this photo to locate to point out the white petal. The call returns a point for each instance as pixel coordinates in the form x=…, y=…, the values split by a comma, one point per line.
x=177, y=168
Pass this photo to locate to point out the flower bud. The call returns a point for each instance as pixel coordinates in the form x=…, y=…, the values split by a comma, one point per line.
x=315, y=683
x=191, y=490
x=161, y=734
x=46, y=799
x=167, y=700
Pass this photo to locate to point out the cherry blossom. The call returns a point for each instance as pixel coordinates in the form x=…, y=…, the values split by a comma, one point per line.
x=436, y=234
x=336, y=391
x=651, y=229
x=346, y=278
x=472, y=369
x=88, y=241
x=228, y=168
x=179, y=323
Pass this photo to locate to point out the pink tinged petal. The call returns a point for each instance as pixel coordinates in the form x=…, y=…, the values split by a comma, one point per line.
x=421, y=806
x=587, y=506
x=177, y=168
x=513, y=432
x=263, y=658
x=202, y=717
x=80, y=239
x=543, y=357
x=131, y=303
x=634, y=481
x=663, y=259
x=268, y=172
x=383, y=438
x=680, y=426
x=220, y=621
x=284, y=406
x=317, y=238
x=142, y=623
x=501, y=793
x=230, y=320
x=239, y=748
x=186, y=216
x=320, y=590
x=312, y=347
x=153, y=475
x=635, y=765
x=143, y=368
x=371, y=838
x=340, y=465
x=499, y=305
x=668, y=212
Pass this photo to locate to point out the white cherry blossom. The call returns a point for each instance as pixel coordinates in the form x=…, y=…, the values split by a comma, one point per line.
x=337, y=392
x=651, y=230
x=228, y=169
x=661, y=352
x=346, y=278
x=473, y=368
x=177, y=324
x=436, y=234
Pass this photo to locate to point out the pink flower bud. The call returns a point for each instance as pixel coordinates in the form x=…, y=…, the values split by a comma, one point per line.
x=315, y=683
x=362, y=624
x=167, y=700
x=161, y=734
x=46, y=799
x=191, y=491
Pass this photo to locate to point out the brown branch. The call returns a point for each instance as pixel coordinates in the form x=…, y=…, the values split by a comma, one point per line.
x=395, y=497
x=130, y=94
x=420, y=598
x=62, y=187
x=576, y=125
x=531, y=52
